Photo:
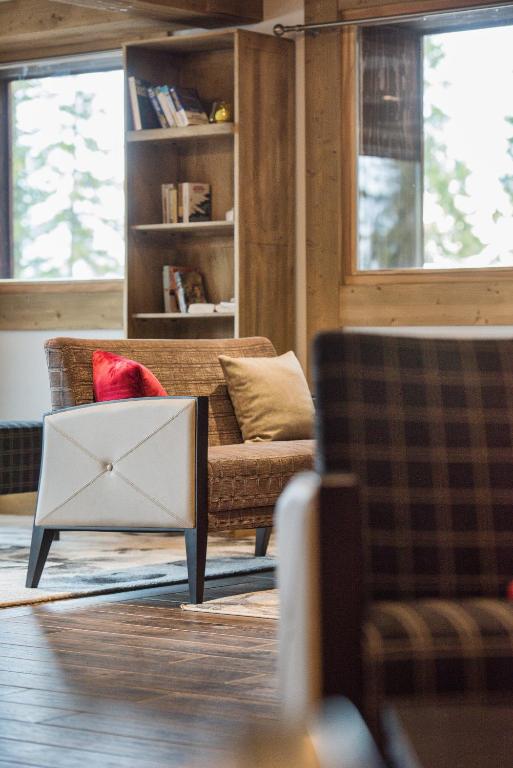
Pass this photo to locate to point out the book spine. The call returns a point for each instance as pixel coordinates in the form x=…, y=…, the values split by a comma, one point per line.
x=180, y=293
x=157, y=107
x=173, y=204
x=178, y=109
x=134, y=103
x=164, y=101
x=186, y=202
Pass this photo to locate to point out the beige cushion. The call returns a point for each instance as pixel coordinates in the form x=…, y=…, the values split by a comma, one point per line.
x=270, y=397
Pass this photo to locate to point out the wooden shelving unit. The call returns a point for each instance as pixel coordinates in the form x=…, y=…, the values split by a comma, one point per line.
x=250, y=166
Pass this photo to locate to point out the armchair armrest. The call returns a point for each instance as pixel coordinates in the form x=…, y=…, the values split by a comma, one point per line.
x=320, y=577
x=129, y=464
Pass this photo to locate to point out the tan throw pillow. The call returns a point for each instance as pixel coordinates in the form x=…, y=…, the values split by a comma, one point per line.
x=270, y=397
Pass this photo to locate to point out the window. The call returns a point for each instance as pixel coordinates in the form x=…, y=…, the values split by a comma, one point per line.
x=67, y=171
x=435, y=162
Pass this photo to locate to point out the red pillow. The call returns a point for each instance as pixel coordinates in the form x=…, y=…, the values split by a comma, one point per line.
x=117, y=378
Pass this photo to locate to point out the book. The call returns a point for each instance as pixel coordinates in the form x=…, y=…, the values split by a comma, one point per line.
x=169, y=203
x=196, y=202
x=188, y=107
x=169, y=286
x=164, y=99
x=200, y=309
x=190, y=288
x=143, y=114
x=155, y=103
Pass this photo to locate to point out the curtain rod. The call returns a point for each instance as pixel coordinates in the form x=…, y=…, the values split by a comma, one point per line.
x=281, y=29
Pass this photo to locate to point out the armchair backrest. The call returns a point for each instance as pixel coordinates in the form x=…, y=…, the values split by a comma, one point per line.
x=184, y=367
x=427, y=426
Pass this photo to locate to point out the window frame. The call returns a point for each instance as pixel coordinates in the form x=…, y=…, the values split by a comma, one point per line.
x=352, y=275
x=96, y=61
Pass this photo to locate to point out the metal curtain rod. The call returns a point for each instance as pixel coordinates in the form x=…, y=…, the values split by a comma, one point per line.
x=281, y=29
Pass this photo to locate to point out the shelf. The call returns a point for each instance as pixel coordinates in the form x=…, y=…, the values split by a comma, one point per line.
x=199, y=227
x=181, y=315
x=182, y=134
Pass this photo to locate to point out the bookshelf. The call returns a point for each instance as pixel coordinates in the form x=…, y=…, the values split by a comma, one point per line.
x=249, y=165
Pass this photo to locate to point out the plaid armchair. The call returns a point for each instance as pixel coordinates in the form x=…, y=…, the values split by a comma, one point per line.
x=424, y=545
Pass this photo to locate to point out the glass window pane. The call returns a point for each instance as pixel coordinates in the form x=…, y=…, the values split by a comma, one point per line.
x=68, y=176
x=452, y=206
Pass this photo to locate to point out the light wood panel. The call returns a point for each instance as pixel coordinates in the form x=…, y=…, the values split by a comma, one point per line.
x=442, y=303
x=52, y=305
x=37, y=28
x=324, y=148
x=265, y=188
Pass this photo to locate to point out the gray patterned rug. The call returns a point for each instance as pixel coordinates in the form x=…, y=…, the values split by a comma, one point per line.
x=264, y=604
x=85, y=563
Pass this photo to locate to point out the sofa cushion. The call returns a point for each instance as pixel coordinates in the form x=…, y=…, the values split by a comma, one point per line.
x=270, y=397
x=439, y=647
x=186, y=367
x=254, y=474
x=118, y=378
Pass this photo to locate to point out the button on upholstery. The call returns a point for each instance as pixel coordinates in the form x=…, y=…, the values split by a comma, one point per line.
x=109, y=467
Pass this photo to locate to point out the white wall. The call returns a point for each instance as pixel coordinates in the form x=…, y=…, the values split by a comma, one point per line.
x=24, y=389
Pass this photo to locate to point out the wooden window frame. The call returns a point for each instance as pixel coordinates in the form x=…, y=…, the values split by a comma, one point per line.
x=351, y=275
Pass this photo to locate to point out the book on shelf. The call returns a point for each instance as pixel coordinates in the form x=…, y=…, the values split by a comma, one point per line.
x=170, y=213
x=143, y=113
x=187, y=106
x=183, y=287
x=186, y=202
x=152, y=94
x=166, y=104
x=196, y=202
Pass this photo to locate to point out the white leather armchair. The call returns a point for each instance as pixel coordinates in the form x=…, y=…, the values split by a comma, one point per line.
x=127, y=465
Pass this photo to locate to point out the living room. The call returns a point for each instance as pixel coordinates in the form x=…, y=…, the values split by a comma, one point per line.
x=256, y=424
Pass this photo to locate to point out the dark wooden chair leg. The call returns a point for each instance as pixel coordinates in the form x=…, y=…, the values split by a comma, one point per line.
x=262, y=540
x=196, y=548
x=39, y=548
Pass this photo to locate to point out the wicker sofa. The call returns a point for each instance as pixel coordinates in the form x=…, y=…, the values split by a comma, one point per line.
x=244, y=480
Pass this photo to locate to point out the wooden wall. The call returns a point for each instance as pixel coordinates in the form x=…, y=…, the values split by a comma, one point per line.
x=335, y=294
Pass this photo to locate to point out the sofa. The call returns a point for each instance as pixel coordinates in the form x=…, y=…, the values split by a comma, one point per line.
x=244, y=480
x=404, y=534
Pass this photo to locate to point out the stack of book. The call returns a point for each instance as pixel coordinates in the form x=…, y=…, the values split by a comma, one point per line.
x=183, y=287
x=164, y=106
x=186, y=202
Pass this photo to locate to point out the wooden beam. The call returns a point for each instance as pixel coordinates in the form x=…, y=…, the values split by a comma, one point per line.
x=323, y=108
x=423, y=303
x=198, y=12
x=5, y=185
x=53, y=305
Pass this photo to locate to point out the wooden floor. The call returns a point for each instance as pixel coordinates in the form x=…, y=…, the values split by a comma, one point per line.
x=131, y=680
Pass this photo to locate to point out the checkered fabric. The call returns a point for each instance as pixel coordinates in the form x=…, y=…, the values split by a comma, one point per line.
x=427, y=425
x=20, y=456
x=437, y=648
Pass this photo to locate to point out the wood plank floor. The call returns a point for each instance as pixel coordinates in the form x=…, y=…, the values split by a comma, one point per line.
x=132, y=681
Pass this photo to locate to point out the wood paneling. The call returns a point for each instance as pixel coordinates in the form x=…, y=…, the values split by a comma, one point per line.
x=424, y=303
x=265, y=188
x=51, y=305
x=36, y=28
x=324, y=148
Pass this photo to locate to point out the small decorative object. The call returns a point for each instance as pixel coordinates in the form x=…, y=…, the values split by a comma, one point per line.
x=229, y=215
x=221, y=112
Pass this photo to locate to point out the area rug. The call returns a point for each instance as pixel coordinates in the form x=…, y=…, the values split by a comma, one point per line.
x=84, y=563
x=259, y=605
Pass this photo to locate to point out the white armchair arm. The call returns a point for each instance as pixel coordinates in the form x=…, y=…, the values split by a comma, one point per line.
x=123, y=464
